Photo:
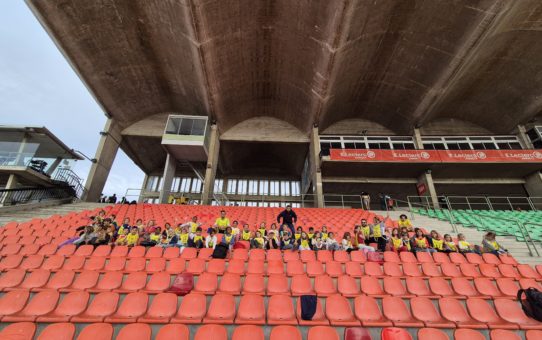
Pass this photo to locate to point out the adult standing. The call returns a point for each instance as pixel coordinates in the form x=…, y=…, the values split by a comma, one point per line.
x=366, y=200
x=289, y=217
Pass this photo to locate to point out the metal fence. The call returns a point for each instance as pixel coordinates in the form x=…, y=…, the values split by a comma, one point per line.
x=10, y=197
x=480, y=202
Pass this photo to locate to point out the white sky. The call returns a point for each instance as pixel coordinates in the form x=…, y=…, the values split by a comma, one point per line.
x=39, y=88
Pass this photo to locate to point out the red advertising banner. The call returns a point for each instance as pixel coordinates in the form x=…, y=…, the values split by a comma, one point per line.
x=376, y=155
x=437, y=156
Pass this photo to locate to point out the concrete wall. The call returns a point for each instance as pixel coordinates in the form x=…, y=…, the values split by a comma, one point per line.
x=356, y=127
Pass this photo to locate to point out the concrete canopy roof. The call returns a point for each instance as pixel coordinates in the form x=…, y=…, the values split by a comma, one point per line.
x=398, y=63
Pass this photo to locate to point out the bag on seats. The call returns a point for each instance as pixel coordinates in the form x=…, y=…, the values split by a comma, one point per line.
x=308, y=306
x=183, y=284
x=220, y=252
x=532, y=304
x=375, y=256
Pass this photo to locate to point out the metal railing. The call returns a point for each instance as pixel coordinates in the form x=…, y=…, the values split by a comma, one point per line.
x=10, y=197
x=67, y=176
x=481, y=202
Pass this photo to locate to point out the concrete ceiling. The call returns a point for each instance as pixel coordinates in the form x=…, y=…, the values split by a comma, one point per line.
x=398, y=63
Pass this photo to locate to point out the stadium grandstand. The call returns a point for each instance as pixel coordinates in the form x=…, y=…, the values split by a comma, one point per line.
x=325, y=169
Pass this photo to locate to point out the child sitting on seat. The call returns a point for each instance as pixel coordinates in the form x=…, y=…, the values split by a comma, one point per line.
x=258, y=242
x=310, y=234
x=331, y=243
x=396, y=241
x=420, y=243
x=304, y=243
x=228, y=239
x=272, y=240
x=246, y=234
x=318, y=243
x=404, y=222
x=262, y=229
x=490, y=244
x=122, y=238
x=464, y=246
x=196, y=240
x=286, y=243
x=449, y=244
x=210, y=240
x=325, y=233
x=436, y=242
x=347, y=242
x=133, y=237
x=298, y=232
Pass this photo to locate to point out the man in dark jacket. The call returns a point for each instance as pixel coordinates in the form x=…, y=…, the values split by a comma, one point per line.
x=288, y=217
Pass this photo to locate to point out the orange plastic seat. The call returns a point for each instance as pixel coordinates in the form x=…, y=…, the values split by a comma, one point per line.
x=528, y=272
x=502, y=334
x=216, y=266
x=230, y=284
x=137, y=251
x=508, y=270
x=508, y=259
x=285, y=332
x=11, y=279
x=489, y=270
x=290, y=256
x=411, y=269
x=491, y=259
x=10, y=249
x=251, y=310
x=469, y=270
x=324, y=256
x=115, y=264
x=207, y=284
x=205, y=254
x=391, y=256
x=431, y=334
x=274, y=255
x=133, y=282
x=72, y=304
x=392, y=333
x=13, y=302
x=53, y=262
x=526, y=283
x=307, y=256
x=158, y=283
x=10, y=262
x=440, y=287
x=301, y=285
x=103, y=305
x=481, y=311
x=156, y=264
x=424, y=310
x=511, y=312
x=373, y=269
x=171, y=253
x=341, y=256
x=319, y=317
x=371, y=286
x=407, y=257
x=221, y=310
x=430, y=269
x=347, y=286
x=108, y=282
x=248, y=332
x=32, y=262
x=18, y=331
x=161, y=310
x=59, y=280
x=173, y=332
x=452, y=310
x=295, y=268
x=396, y=311
x=154, y=252
x=196, y=266
x=120, y=251
x=441, y=258
x=418, y=286
x=533, y=335
x=175, y=265
x=254, y=284
x=486, y=287
x=58, y=331
x=457, y=258
x=468, y=334
x=315, y=268
x=135, y=331
x=324, y=286
x=322, y=333
x=464, y=288
x=257, y=255
x=40, y=304
x=368, y=313
x=132, y=307
x=191, y=310
x=240, y=254
x=508, y=287
x=339, y=313
x=334, y=269
x=35, y=280
x=358, y=256
x=214, y=332
x=394, y=286
x=277, y=284
x=353, y=269
x=392, y=269
x=280, y=311
x=94, y=263
x=450, y=270
x=84, y=250
x=275, y=267
x=69, y=249
x=136, y=264
x=102, y=251
x=74, y=263
x=424, y=257
x=474, y=258
x=236, y=267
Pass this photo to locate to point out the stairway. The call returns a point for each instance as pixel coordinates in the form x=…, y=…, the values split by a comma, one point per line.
x=518, y=249
x=26, y=215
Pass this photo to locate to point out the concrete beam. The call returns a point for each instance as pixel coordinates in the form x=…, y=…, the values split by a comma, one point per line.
x=53, y=166
x=418, y=142
x=368, y=180
x=105, y=156
x=533, y=184
x=316, y=173
x=167, y=178
x=427, y=179
x=524, y=140
x=475, y=181
x=212, y=163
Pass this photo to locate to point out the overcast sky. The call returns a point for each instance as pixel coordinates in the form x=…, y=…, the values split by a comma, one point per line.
x=39, y=88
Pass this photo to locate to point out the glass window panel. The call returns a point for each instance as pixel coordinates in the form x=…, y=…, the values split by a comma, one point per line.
x=532, y=134
x=218, y=185
x=274, y=188
x=490, y=146
x=186, y=126
x=264, y=187
x=285, y=188
x=173, y=126
x=336, y=146
x=185, y=185
x=464, y=146
x=196, y=185
x=478, y=146
x=515, y=146
x=453, y=146
x=349, y=145
x=374, y=146
x=296, y=188
x=198, y=127
x=537, y=144
x=385, y=146
x=361, y=145
x=232, y=186
x=252, y=187
x=409, y=146
x=242, y=186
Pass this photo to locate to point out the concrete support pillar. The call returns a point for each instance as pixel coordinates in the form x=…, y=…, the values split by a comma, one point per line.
x=53, y=166
x=212, y=163
x=167, y=178
x=105, y=155
x=141, y=197
x=523, y=138
x=418, y=143
x=533, y=184
x=425, y=181
x=316, y=173
x=11, y=184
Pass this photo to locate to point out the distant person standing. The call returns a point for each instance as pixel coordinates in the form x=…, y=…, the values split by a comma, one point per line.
x=113, y=199
x=365, y=201
x=288, y=217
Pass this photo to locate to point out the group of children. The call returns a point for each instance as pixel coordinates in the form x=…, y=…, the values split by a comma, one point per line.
x=366, y=237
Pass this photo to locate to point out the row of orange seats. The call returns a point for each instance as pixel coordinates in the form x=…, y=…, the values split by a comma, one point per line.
x=335, y=310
